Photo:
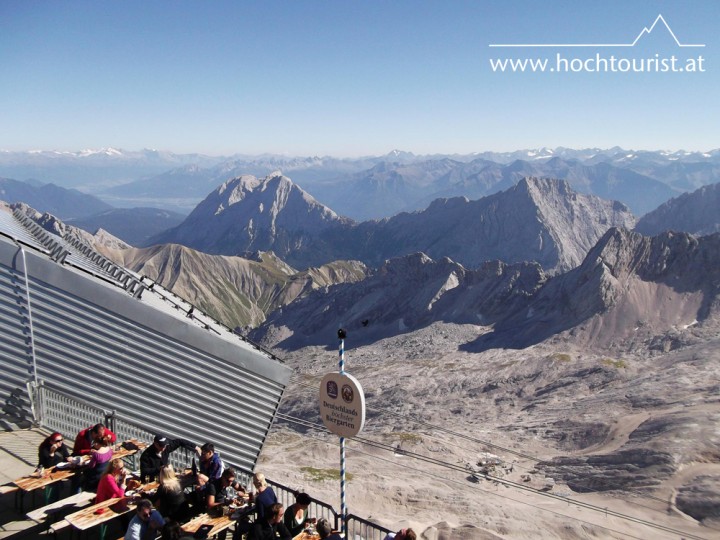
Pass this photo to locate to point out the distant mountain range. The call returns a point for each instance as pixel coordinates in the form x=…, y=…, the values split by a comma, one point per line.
x=61, y=202
x=593, y=277
x=389, y=188
x=535, y=220
x=373, y=186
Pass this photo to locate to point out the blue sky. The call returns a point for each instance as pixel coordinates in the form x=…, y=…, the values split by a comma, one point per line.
x=346, y=78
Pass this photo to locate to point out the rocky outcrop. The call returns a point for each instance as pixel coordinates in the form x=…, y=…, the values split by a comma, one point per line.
x=701, y=499
x=539, y=220
x=404, y=294
x=625, y=470
x=697, y=213
x=627, y=285
x=99, y=241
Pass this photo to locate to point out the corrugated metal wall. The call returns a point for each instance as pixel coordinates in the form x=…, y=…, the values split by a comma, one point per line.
x=96, y=342
x=15, y=357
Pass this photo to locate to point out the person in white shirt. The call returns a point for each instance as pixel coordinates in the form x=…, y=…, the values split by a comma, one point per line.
x=146, y=523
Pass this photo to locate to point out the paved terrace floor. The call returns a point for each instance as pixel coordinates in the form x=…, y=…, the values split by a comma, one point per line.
x=18, y=457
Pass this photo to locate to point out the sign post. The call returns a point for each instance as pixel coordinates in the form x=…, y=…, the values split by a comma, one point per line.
x=342, y=409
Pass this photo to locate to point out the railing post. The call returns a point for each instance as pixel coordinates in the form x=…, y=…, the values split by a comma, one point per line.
x=110, y=421
x=35, y=396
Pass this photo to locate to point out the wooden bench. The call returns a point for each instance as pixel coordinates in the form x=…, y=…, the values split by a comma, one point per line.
x=58, y=526
x=74, y=502
x=8, y=488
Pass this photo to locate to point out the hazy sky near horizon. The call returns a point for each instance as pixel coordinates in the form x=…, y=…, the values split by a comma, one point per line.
x=350, y=78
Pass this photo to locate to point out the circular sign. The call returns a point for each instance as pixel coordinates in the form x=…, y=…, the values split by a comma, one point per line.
x=342, y=404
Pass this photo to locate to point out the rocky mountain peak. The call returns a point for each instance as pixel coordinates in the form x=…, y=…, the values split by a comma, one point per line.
x=668, y=255
x=247, y=214
x=544, y=187
x=628, y=287
x=697, y=213
x=268, y=196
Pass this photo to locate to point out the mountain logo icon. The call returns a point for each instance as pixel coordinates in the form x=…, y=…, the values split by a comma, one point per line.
x=644, y=32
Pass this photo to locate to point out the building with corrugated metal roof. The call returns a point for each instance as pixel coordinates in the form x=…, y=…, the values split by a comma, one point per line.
x=76, y=323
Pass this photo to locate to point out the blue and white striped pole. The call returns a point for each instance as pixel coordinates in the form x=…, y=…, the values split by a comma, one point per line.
x=343, y=504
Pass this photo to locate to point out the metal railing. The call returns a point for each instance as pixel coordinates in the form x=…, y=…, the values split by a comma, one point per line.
x=68, y=415
x=286, y=496
x=62, y=413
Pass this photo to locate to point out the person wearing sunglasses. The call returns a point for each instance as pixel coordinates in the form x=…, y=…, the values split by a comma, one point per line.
x=52, y=451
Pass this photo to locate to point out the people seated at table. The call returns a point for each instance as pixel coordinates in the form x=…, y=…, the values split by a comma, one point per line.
x=112, y=482
x=158, y=454
x=325, y=531
x=52, y=451
x=146, y=522
x=170, y=498
x=84, y=440
x=265, y=496
x=271, y=526
x=296, y=515
x=224, y=491
x=101, y=454
x=402, y=534
x=210, y=463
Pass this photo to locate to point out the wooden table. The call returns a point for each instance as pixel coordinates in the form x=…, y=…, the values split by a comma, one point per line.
x=305, y=536
x=90, y=517
x=34, y=482
x=123, y=452
x=219, y=524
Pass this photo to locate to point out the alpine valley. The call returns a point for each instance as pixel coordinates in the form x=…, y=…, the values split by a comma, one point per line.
x=536, y=332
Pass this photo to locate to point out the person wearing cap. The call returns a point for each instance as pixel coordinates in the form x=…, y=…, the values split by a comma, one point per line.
x=402, y=534
x=157, y=454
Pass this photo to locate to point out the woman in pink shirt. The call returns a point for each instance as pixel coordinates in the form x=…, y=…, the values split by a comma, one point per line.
x=100, y=455
x=112, y=482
